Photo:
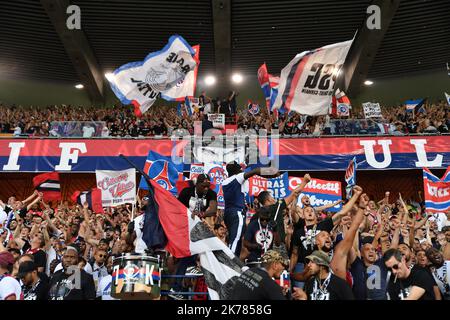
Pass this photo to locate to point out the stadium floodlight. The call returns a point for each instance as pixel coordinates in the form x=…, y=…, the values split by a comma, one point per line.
x=109, y=76
x=210, y=80
x=368, y=83
x=237, y=78
x=79, y=86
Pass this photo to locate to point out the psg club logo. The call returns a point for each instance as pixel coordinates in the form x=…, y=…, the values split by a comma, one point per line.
x=163, y=173
x=342, y=108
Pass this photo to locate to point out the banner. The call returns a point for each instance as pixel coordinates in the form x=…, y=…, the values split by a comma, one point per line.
x=117, y=187
x=302, y=154
x=436, y=191
x=217, y=173
x=320, y=192
x=140, y=83
x=278, y=187
x=372, y=110
x=196, y=170
x=307, y=82
x=219, y=155
x=218, y=120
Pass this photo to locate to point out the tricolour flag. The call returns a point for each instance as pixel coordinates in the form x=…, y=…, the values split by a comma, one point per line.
x=269, y=85
x=307, y=82
x=162, y=170
x=436, y=191
x=447, y=97
x=140, y=83
x=414, y=105
x=185, y=235
x=48, y=184
x=340, y=105
x=93, y=197
x=350, y=177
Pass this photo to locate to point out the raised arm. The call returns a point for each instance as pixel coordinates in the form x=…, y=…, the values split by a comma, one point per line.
x=357, y=191
x=269, y=172
x=296, y=192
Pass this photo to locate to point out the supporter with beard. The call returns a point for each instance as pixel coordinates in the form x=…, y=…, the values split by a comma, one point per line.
x=440, y=270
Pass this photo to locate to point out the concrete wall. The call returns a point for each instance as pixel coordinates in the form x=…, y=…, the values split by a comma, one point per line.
x=385, y=91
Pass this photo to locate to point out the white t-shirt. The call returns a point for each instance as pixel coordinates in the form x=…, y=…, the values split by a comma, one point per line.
x=97, y=273
x=104, y=288
x=88, y=132
x=8, y=287
x=17, y=131
x=140, y=245
x=51, y=255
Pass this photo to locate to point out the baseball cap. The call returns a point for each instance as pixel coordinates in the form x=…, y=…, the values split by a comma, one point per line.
x=320, y=258
x=274, y=256
x=26, y=267
x=6, y=258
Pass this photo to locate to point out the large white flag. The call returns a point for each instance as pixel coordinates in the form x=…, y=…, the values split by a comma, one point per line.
x=184, y=88
x=117, y=187
x=140, y=83
x=307, y=82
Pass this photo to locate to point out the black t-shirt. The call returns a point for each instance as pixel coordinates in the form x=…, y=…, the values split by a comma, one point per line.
x=333, y=288
x=255, y=284
x=189, y=198
x=40, y=258
x=280, y=206
x=256, y=234
x=304, y=237
x=62, y=287
x=418, y=277
x=37, y=292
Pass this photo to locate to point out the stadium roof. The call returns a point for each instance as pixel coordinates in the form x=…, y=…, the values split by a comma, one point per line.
x=235, y=35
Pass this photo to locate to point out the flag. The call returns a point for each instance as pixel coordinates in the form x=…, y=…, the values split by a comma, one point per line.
x=414, y=105
x=48, y=184
x=253, y=108
x=436, y=191
x=140, y=83
x=350, y=177
x=447, y=97
x=187, y=105
x=269, y=85
x=163, y=170
x=185, y=235
x=307, y=82
x=93, y=197
x=185, y=88
x=340, y=105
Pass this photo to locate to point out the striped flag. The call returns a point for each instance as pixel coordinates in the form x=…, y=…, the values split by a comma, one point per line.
x=48, y=184
x=269, y=85
x=92, y=197
x=414, y=105
x=436, y=191
x=307, y=82
x=185, y=235
x=350, y=177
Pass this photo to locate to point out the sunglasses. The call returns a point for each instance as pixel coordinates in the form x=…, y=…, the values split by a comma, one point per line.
x=394, y=267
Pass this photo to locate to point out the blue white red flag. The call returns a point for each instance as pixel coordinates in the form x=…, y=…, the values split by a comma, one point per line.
x=436, y=191
x=350, y=177
x=92, y=197
x=140, y=83
x=162, y=170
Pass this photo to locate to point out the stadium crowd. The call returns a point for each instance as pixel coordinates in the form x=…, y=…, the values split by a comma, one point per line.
x=379, y=249
x=120, y=121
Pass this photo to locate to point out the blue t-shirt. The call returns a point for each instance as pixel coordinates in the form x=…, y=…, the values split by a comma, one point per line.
x=233, y=192
x=369, y=283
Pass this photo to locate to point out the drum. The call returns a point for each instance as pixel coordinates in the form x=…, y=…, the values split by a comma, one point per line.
x=253, y=264
x=136, y=277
